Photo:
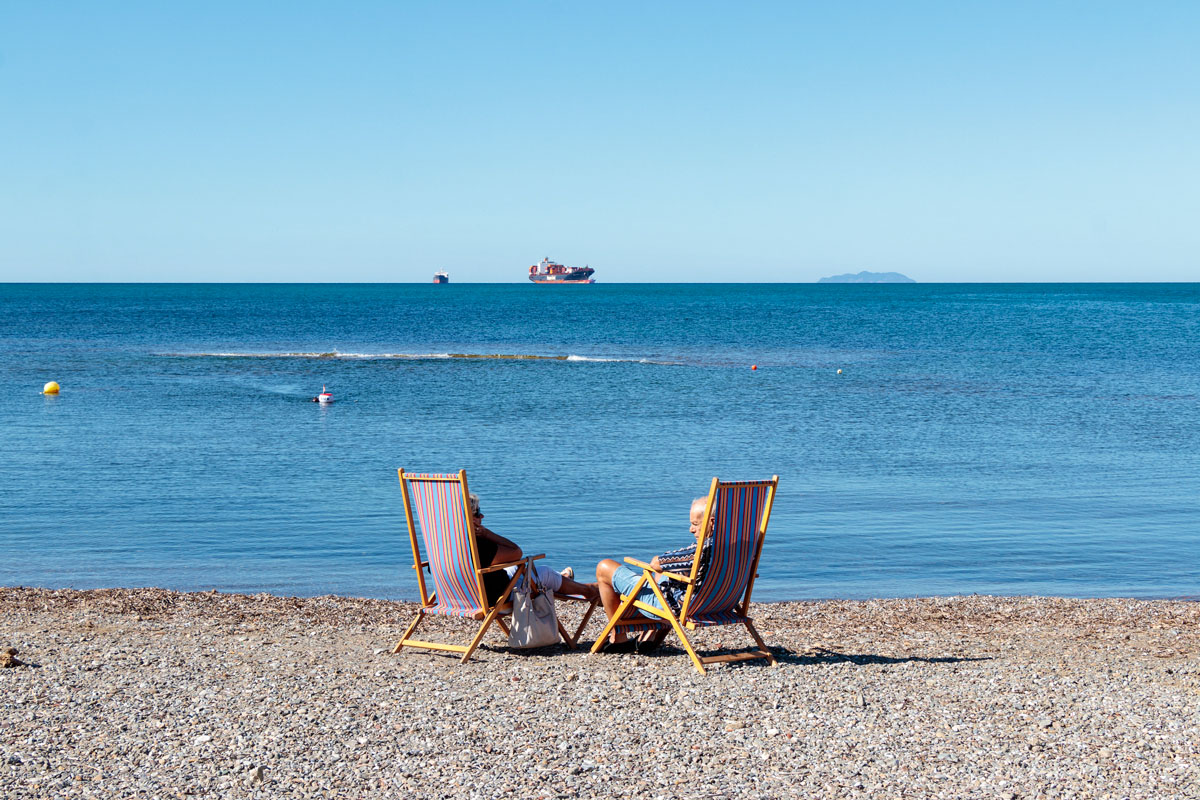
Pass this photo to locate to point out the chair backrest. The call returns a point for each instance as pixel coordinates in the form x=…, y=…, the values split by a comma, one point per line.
x=440, y=505
x=741, y=511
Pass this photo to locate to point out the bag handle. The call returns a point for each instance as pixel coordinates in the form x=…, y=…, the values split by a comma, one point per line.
x=535, y=585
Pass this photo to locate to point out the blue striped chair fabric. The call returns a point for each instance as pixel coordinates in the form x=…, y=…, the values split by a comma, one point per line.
x=735, y=542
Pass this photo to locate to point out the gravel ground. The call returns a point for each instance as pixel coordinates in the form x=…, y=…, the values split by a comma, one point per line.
x=150, y=693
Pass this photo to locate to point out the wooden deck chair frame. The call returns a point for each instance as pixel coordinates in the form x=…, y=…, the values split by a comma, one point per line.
x=467, y=593
x=689, y=617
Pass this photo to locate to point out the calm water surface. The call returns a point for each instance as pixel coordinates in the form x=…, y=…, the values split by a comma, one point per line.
x=1016, y=439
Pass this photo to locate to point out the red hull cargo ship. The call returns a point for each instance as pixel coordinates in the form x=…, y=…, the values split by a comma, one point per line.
x=551, y=272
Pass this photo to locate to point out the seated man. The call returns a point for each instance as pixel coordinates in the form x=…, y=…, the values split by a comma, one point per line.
x=616, y=579
x=495, y=549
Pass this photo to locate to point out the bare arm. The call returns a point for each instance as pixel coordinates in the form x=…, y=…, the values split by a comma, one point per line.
x=505, y=550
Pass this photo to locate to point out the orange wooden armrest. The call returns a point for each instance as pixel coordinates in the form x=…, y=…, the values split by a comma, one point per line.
x=495, y=567
x=672, y=575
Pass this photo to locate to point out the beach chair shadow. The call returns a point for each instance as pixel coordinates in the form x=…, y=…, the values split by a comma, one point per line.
x=739, y=512
x=822, y=655
x=439, y=503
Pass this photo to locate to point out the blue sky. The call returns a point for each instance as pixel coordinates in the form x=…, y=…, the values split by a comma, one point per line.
x=366, y=141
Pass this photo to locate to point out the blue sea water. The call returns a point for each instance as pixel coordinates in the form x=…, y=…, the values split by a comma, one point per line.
x=1014, y=439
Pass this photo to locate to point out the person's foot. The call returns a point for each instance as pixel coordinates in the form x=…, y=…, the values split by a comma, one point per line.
x=651, y=642
x=568, y=573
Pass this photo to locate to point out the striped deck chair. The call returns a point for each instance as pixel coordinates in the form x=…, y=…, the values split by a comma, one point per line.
x=740, y=512
x=440, y=503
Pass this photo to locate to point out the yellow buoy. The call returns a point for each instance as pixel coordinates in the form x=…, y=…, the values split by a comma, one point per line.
x=50, y=388
x=839, y=372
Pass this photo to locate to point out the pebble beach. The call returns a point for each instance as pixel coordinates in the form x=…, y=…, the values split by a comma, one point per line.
x=152, y=693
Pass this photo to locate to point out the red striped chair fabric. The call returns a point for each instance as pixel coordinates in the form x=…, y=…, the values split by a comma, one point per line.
x=449, y=543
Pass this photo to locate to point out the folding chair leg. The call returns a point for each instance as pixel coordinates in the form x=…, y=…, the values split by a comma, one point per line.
x=621, y=609
x=687, y=645
x=409, y=632
x=583, y=624
x=503, y=627
x=566, y=637
x=487, y=621
x=691, y=651
x=761, y=645
x=608, y=628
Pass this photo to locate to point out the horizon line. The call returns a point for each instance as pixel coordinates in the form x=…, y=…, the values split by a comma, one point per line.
x=607, y=283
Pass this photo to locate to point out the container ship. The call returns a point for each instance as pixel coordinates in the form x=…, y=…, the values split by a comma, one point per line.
x=551, y=272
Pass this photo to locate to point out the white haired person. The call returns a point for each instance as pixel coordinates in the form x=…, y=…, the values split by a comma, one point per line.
x=495, y=549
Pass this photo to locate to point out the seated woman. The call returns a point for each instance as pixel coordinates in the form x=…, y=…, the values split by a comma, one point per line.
x=495, y=549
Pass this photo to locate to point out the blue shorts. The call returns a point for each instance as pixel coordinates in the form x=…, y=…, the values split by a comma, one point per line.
x=624, y=579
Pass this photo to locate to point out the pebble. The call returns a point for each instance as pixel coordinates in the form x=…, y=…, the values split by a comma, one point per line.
x=971, y=697
x=8, y=658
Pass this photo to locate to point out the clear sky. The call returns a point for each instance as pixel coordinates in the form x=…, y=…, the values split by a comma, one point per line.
x=691, y=141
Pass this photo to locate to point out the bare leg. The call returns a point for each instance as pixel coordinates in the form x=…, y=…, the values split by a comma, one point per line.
x=557, y=582
x=588, y=590
x=609, y=597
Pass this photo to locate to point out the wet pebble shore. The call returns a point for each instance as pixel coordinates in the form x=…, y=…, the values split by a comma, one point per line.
x=150, y=693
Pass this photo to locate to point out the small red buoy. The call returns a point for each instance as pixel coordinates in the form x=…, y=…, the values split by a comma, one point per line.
x=754, y=366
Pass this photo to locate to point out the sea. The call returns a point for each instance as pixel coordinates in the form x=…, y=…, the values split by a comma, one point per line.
x=930, y=439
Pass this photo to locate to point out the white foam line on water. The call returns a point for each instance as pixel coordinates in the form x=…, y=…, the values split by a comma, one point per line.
x=427, y=356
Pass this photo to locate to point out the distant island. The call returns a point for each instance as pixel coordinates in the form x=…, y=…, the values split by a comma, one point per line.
x=868, y=277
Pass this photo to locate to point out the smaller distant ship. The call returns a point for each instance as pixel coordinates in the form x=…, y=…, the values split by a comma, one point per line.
x=552, y=272
x=441, y=277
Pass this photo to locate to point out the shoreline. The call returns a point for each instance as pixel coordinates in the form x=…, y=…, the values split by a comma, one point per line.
x=171, y=693
x=1147, y=598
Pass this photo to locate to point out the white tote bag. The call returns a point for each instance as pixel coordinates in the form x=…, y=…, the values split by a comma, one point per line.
x=534, y=622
